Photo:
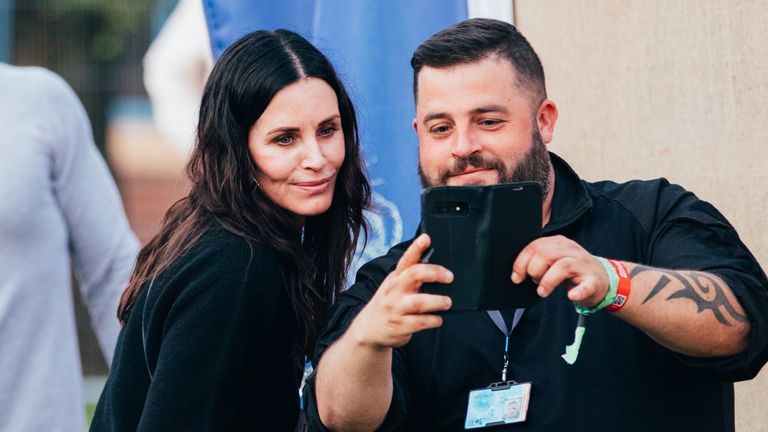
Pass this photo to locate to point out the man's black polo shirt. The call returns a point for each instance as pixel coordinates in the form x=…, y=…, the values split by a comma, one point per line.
x=623, y=380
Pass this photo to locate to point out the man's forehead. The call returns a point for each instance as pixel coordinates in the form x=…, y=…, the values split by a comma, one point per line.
x=490, y=108
x=473, y=88
x=479, y=68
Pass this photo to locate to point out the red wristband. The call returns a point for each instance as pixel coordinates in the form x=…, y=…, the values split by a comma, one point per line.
x=625, y=286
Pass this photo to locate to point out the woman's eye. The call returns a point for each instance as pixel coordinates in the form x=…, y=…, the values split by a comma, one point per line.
x=284, y=140
x=327, y=131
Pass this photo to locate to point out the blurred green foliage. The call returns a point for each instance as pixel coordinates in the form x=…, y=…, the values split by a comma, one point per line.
x=109, y=23
x=95, y=45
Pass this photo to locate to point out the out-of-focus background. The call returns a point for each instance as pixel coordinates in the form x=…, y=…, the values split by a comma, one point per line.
x=97, y=46
x=652, y=88
x=645, y=89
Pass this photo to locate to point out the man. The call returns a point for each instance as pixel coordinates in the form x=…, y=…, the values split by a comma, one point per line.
x=691, y=317
x=59, y=210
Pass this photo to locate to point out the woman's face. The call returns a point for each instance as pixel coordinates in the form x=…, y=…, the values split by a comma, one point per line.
x=298, y=147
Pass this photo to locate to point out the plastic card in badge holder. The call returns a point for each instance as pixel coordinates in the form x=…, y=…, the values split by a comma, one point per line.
x=498, y=404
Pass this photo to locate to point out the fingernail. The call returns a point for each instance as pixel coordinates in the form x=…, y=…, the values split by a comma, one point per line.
x=540, y=291
x=449, y=274
x=515, y=278
x=448, y=302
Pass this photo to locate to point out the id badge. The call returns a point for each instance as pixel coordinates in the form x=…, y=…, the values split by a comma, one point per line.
x=498, y=404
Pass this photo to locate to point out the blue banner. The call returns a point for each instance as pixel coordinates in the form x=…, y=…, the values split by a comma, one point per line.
x=370, y=42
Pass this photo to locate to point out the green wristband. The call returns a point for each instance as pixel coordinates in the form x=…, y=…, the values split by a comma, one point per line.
x=610, y=296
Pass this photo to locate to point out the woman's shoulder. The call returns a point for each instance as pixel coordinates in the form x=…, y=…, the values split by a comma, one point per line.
x=227, y=261
x=224, y=250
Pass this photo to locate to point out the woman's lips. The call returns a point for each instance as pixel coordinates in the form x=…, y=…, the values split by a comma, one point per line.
x=316, y=186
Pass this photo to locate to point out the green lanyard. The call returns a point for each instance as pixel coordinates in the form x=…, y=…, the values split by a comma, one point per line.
x=572, y=350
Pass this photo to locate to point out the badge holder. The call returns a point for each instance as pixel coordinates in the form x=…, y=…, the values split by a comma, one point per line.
x=498, y=404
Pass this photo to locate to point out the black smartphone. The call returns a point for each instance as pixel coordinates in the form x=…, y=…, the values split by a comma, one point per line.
x=477, y=232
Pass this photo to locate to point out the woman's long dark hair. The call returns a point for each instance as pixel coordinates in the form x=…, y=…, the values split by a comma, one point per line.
x=243, y=82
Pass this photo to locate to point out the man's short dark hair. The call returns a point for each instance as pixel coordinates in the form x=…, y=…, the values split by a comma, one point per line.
x=476, y=39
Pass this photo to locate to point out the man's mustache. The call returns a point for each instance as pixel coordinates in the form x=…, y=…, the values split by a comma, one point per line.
x=475, y=161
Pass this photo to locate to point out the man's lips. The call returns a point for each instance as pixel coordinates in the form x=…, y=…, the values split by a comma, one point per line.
x=470, y=171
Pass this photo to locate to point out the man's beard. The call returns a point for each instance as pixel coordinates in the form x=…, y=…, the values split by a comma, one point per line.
x=535, y=166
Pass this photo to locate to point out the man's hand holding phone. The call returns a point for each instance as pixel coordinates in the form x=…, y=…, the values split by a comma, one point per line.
x=556, y=260
x=399, y=308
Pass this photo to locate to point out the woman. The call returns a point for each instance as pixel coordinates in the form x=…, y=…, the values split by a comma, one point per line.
x=226, y=301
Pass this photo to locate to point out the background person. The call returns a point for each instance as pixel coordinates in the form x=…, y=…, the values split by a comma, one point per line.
x=666, y=363
x=59, y=211
x=228, y=298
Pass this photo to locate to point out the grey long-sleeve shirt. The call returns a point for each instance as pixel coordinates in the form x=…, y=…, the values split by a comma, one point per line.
x=57, y=201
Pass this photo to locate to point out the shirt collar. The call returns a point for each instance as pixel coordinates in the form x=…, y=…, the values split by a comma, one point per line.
x=571, y=199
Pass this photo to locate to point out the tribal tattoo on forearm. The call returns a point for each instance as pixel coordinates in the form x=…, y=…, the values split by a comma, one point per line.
x=705, y=290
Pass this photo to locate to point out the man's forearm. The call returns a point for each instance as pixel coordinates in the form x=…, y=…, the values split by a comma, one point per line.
x=354, y=385
x=691, y=312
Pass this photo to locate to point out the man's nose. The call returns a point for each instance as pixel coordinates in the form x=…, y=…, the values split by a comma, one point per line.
x=465, y=143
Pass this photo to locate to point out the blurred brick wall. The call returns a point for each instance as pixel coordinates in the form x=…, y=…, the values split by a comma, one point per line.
x=148, y=171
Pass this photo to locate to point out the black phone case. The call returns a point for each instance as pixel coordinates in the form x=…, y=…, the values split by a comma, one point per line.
x=477, y=232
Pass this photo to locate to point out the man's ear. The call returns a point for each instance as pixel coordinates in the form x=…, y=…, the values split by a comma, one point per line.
x=546, y=117
x=415, y=126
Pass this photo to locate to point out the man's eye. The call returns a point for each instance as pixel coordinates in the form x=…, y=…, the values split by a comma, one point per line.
x=490, y=122
x=440, y=129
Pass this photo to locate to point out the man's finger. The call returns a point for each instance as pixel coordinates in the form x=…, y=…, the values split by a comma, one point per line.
x=549, y=249
x=414, y=276
x=417, y=323
x=423, y=303
x=538, y=266
x=413, y=254
x=562, y=270
x=520, y=266
x=587, y=289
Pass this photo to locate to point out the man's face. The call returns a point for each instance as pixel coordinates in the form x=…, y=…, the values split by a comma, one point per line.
x=477, y=127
